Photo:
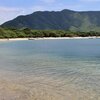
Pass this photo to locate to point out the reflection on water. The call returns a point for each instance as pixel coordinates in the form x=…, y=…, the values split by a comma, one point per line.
x=50, y=70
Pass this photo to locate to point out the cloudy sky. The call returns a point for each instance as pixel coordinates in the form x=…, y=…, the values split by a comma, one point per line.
x=9, y=9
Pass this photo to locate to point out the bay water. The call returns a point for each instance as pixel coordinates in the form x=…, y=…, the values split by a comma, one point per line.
x=50, y=70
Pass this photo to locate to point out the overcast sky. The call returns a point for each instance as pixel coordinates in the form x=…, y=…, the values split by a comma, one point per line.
x=9, y=9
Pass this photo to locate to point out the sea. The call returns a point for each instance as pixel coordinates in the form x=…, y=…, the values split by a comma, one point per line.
x=50, y=69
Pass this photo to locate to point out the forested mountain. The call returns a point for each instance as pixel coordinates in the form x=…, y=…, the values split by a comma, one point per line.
x=58, y=20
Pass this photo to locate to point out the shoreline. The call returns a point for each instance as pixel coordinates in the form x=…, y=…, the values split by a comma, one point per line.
x=48, y=38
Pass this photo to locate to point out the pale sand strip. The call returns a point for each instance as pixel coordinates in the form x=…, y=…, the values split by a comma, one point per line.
x=48, y=38
x=51, y=38
x=14, y=39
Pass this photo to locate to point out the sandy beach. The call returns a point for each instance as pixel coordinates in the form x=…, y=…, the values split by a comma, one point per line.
x=48, y=38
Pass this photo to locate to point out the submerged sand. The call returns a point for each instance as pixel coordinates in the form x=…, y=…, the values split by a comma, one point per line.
x=40, y=88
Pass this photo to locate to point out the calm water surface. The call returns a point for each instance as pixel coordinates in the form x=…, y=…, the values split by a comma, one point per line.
x=50, y=70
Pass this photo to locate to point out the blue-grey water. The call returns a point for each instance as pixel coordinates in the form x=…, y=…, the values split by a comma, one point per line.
x=50, y=70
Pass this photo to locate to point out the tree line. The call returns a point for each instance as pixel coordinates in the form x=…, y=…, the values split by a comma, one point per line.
x=29, y=33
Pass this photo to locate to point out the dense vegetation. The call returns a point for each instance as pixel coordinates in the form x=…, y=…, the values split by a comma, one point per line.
x=28, y=33
x=58, y=20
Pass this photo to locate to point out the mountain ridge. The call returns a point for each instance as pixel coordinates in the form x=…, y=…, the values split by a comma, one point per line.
x=58, y=20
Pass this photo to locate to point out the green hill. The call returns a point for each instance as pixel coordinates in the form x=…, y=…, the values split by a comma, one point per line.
x=58, y=20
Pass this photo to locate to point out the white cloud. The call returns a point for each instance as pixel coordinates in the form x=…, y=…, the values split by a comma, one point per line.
x=37, y=8
x=8, y=13
x=90, y=0
x=48, y=1
x=7, y=9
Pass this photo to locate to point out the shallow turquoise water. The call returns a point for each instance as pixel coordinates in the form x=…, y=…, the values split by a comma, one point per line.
x=71, y=66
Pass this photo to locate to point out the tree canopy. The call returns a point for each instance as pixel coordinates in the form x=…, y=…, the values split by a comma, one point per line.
x=29, y=33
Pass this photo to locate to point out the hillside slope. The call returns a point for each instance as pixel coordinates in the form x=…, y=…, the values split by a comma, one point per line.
x=58, y=20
